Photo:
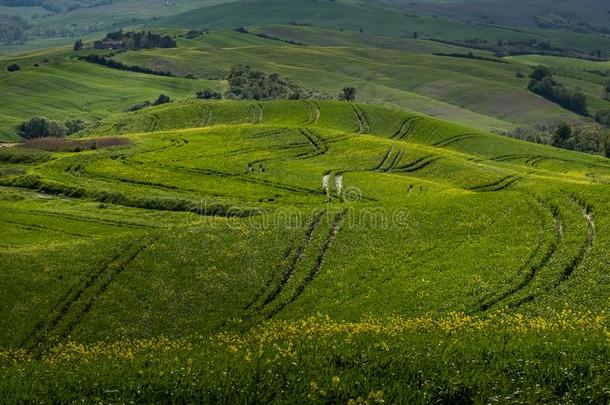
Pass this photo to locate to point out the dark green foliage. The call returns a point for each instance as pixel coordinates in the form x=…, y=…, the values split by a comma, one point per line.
x=139, y=106
x=101, y=60
x=249, y=84
x=13, y=68
x=562, y=134
x=348, y=94
x=192, y=34
x=12, y=29
x=603, y=117
x=162, y=99
x=471, y=55
x=78, y=45
x=74, y=125
x=542, y=83
x=520, y=47
x=39, y=127
x=208, y=95
x=135, y=40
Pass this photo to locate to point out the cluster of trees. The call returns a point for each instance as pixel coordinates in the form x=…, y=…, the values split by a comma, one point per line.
x=251, y=84
x=13, y=67
x=562, y=21
x=41, y=127
x=138, y=40
x=348, y=94
x=603, y=117
x=243, y=30
x=12, y=29
x=208, y=95
x=542, y=83
x=523, y=47
x=162, y=99
x=588, y=138
x=101, y=60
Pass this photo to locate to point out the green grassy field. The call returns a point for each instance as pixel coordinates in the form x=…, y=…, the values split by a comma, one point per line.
x=203, y=261
x=394, y=249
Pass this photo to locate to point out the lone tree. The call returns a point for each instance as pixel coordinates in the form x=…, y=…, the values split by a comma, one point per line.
x=348, y=94
x=78, y=45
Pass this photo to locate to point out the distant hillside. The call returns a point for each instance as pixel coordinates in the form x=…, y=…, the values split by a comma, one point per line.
x=520, y=13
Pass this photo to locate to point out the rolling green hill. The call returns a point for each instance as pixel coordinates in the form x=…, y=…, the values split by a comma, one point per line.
x=393, y=248
x=371, y=17
x=60, y=88
x=214, y=220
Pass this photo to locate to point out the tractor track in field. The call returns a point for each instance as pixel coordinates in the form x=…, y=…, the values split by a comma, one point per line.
x=294, y=261
x=318, y=142
x=394, y=162
x=272, y=132
x=533, y=268
x=313, y=113
x=406, y=128
x=32, y=227
x=243, y=177
x=79, y=218
x=206, y=117
x=257, y=113
x=454, y=139
x=330, y=237
x=364, y=126
x=587, y=244
x=498, y=185
x=418, y=164
x=576, y=261
x=153, y=123
x=95, y=285
x=244, y=151
x=384, y=159
x=272, y=276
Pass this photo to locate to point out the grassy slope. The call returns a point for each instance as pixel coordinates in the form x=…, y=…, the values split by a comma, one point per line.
x=63, y=88
x=97, y=248
x=370, y=17
x=450, y=219
x=402, y=73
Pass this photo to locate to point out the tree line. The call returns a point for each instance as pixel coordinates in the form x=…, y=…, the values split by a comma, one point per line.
x=101, y=60
x=543, y=84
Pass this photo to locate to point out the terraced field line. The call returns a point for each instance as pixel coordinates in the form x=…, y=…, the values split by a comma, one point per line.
x=294, y=261
x=95, y=285
x=330, y=237
x=363, y=123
